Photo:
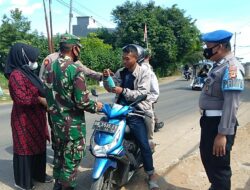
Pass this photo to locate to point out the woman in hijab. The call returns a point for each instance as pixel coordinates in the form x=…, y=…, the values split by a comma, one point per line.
x=28, y=116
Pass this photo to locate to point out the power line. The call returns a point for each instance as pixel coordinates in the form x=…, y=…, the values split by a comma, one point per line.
x=94, y=13
x=68, y=6
x=74, y=9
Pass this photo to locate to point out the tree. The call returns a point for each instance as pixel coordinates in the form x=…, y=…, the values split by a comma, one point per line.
x=12, y=30
x=97, y=55
x=172, y=37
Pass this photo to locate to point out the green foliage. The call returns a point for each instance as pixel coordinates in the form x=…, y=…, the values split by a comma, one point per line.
x=98, y=56
x=172, y=37
x=3, y=81
x=13, y=29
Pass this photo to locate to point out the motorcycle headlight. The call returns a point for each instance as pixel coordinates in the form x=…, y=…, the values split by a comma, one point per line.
x=101, y=151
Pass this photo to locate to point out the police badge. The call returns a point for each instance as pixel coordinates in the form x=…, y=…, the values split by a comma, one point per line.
x=232, y=79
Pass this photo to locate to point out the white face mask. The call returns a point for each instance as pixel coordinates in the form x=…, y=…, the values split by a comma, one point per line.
x=33, y=66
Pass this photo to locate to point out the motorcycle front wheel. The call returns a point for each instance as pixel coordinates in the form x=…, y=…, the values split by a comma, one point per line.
x=104, y=182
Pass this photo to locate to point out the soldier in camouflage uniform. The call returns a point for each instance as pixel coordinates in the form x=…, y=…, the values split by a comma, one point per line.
x=68, y=98
x=52, y=57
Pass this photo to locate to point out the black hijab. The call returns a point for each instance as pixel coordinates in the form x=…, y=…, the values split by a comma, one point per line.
x=17, y=60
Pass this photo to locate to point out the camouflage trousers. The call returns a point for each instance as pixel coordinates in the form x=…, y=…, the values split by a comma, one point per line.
x=67, y=158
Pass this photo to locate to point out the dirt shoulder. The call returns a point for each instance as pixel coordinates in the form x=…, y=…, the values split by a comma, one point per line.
x=177, y=160
x=189, y=173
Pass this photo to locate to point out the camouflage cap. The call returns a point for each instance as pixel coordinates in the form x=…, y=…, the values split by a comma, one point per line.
x=70, y=39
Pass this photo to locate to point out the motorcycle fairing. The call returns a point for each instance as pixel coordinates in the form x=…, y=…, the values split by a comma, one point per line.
x=115, y=111
x=101, y=165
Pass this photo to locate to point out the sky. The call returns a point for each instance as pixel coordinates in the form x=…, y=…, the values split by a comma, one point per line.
x=210, y=15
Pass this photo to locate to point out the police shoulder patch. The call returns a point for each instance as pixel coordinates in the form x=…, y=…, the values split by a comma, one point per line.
x=232, y=79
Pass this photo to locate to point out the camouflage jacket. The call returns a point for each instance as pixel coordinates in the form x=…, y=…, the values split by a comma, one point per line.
x=67, y=98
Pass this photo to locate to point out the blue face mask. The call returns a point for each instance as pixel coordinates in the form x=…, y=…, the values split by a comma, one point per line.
x=208, y=52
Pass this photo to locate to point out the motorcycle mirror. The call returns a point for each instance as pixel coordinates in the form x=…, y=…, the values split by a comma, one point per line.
x=94, y=92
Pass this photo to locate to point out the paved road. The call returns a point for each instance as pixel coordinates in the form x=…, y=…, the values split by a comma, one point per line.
x=176, y=101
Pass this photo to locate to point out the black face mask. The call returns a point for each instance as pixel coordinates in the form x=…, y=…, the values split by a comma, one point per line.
x=76, y=58
x=208, y=52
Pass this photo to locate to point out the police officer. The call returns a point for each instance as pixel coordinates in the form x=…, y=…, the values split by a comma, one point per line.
x=219, y=102
x=67, y=97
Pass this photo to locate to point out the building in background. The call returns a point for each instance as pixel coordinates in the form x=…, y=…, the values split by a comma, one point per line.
x=86, y=25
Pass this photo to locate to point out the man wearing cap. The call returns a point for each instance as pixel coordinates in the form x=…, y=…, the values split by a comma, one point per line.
x=219, y=102
x=67, y=98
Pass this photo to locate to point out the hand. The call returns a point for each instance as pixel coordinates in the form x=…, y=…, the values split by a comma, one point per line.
x=107, y=72
x=42, y=101
x=99, y=106
x=219, y=148
x=117, y=90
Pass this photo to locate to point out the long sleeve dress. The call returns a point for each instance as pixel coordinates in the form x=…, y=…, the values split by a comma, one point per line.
x=29, y=131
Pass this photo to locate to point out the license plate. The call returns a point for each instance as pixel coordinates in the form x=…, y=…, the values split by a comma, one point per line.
x=105, y=126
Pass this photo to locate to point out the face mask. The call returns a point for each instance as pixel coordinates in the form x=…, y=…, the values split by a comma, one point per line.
x=33, y=66
x=208, y=52
x=76, y=58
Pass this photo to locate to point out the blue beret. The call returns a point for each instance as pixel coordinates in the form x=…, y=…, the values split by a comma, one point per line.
x=217, y=36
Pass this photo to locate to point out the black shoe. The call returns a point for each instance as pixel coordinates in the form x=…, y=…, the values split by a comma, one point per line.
x=48, y=179
x=158, y=126
x=69, y=188
x=57, y=185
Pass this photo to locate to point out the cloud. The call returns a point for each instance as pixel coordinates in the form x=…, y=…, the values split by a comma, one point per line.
x=19, y=2
x=27, y=9
x=1, y=2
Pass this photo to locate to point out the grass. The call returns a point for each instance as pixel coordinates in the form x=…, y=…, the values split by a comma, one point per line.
x=3, y=81
x=4, y=85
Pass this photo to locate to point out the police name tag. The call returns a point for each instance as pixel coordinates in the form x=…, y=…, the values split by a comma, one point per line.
x=232, y=79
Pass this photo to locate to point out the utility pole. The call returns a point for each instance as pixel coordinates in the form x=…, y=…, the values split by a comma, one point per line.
x=47, y=27
x=51, y=28
x=70, y=16
x=235, y=42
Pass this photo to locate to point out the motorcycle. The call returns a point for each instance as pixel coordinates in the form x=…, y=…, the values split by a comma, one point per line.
x=117, y=156
x=187, y=75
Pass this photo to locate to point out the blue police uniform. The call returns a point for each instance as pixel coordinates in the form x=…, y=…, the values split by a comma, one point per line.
x=219, y=102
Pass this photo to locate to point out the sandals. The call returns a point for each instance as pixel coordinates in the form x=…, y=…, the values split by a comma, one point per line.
x=153, y=185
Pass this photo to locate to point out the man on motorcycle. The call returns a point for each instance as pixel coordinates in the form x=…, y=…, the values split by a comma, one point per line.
x=187, y=71
x=131, y=81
